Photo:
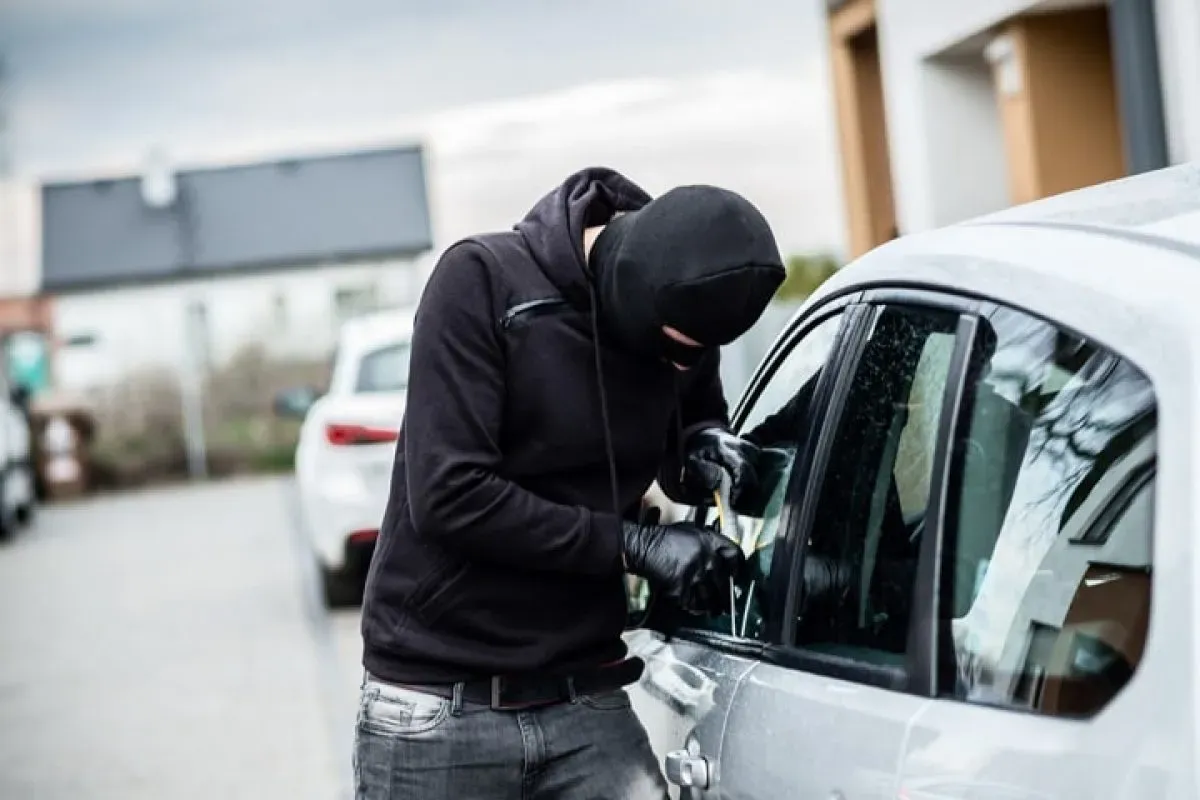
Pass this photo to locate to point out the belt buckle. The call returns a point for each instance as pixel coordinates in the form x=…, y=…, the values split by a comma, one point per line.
x=497, y=682
x=497, y=690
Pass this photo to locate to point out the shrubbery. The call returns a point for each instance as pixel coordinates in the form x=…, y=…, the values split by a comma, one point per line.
x=140, y=440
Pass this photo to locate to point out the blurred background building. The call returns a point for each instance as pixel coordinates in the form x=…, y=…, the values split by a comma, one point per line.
x=949, y=109
x=172, y=303
x=272, y=255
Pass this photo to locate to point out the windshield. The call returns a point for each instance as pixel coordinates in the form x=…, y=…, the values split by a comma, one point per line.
x=384, y=370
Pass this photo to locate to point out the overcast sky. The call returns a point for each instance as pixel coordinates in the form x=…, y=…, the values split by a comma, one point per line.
x=508, y=95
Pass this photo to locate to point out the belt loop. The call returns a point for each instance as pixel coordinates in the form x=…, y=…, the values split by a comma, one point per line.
x=456, y=699
x=571, y=689
x=497, y=696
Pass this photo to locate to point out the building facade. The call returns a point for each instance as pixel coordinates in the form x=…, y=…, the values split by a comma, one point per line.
x=168, y=268
x=949, y=109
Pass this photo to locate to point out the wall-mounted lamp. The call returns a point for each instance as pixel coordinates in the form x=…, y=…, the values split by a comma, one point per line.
x=1001, y=54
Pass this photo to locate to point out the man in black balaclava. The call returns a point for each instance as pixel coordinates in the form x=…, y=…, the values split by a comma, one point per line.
x=557, y=370
x=688, y=273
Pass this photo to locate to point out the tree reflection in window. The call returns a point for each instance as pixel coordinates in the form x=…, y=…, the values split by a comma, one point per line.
x=1059, y=430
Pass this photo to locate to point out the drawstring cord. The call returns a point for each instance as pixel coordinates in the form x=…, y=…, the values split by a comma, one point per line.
x=608, y=438
x=679, y=451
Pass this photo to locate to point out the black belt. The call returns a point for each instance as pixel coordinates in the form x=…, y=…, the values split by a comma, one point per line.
x=514, y=692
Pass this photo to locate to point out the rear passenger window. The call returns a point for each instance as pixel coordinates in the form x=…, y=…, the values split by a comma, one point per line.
x=1050, y=522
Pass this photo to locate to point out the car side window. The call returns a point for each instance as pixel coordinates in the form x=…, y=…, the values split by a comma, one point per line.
x=859, y=562
x=776, y=420
x=1047, y=576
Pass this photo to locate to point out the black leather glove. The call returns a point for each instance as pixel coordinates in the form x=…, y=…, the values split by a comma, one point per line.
x=688, y=564
x=709, y=452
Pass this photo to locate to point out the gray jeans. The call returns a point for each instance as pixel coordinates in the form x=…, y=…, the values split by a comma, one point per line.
x=414, y=746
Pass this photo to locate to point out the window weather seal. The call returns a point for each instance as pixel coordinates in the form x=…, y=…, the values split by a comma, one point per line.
x=925, y=627
x=848, y=352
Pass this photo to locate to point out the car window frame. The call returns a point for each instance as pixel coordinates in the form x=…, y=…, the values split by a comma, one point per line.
x=847, y=306
x=917, y=675
x=922, y=677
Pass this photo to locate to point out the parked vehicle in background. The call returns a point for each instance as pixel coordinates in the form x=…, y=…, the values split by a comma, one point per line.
x=968, y=578
x=347, y=443
x=18, y=493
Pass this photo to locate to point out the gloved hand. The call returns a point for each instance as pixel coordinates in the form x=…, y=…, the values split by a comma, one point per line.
x=709, y=452
x=690, y=565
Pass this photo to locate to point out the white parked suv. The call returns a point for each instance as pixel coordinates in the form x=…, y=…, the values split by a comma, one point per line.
x=344, y=456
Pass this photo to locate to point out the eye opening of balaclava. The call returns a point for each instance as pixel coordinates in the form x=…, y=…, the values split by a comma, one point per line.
x=699, y=259
x=682, y=354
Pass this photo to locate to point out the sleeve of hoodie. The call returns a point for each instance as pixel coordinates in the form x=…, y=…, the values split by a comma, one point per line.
x=455, y=405
x=701, y=405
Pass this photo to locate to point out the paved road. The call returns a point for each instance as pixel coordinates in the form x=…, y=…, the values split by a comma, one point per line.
x=169, y=644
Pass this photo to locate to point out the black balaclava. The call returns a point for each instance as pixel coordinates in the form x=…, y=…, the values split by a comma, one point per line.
x=700, y=259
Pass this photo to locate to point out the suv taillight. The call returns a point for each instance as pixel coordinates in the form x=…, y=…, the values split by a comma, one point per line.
x=340, y=434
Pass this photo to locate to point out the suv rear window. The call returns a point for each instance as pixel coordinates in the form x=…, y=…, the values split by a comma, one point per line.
x=384, y=370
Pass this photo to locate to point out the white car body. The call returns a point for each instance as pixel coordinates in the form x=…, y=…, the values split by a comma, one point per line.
x=1120, y=265
x=347, y=442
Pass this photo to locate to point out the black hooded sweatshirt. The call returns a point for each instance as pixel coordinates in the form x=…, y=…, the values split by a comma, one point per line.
x=500, y=551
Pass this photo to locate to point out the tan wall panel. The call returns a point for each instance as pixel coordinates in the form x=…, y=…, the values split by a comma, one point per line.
x=1062, y=129
x=862, y=127
x=1074, y=99
x=853, y=18
x=854, y=170
x=1016, y=118
x=875, y=138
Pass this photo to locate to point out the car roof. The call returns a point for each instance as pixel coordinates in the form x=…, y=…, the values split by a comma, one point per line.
x=376, y=329
x=1118, y=263
x=1162, y=205
x=1132, y=245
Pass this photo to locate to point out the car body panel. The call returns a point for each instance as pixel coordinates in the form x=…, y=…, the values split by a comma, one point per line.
x=684, y=694
x=796, y=734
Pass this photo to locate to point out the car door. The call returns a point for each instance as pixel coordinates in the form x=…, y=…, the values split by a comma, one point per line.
x=826, y=709
x=694, y=663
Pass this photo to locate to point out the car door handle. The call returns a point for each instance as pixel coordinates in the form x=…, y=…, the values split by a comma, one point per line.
x=685, y=769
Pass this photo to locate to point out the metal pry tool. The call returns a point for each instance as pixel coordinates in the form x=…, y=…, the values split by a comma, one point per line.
x=732, y=531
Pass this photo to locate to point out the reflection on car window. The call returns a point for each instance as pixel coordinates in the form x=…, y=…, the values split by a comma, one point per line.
x=776, y=421
x=861, y=557
x=384, y=370
x=1051, y=563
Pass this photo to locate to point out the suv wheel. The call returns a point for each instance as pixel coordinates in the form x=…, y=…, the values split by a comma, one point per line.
x=8, y=516
x=26, y=511
x=340, y=588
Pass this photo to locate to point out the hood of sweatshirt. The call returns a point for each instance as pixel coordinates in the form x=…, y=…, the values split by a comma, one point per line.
x=553, y=228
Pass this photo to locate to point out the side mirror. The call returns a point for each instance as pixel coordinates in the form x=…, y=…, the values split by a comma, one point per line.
x=294, y=403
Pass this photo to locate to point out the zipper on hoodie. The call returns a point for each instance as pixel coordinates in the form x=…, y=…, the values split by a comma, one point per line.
x=531, y=309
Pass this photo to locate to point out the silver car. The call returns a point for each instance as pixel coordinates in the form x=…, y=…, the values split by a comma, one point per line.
x=968, y=580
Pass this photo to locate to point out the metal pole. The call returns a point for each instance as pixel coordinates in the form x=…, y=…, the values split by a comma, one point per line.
x=192, y=391
x=1134, y=34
